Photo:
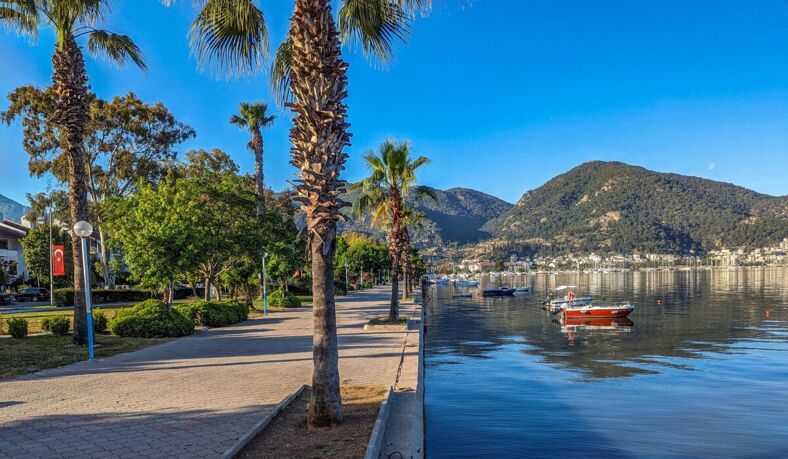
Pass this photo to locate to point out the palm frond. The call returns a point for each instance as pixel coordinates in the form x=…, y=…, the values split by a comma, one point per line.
x=238, y=121
x=416, y=7
x=374, y=25
x=117, y=48
x=280, y=72
x=229, y=37
x=20, y=16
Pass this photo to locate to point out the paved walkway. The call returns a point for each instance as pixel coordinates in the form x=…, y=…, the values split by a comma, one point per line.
x=192, y=397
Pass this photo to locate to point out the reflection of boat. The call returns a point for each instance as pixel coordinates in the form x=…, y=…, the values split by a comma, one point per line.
x=442, y=281
x=623, y=324
x=503, y=291
x=589, y=311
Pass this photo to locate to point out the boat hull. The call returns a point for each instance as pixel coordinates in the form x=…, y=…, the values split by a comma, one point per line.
x=611, y=312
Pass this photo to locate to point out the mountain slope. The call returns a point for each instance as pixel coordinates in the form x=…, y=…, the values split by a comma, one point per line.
x=458, y=216
x=617, y=207
x=11, y=210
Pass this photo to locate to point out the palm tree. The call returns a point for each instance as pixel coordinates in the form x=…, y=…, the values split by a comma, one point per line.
x=392, y=181
x=411, y=219
x=72, y=20
x=252, y=116
x=230, y=37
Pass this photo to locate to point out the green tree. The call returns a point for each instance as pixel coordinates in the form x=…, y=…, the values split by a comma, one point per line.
x=392, y=180
x=125, y=140
x=230, y=37
x=72, y=19
x=359, y=250
x=36, y=253
x=253, y=117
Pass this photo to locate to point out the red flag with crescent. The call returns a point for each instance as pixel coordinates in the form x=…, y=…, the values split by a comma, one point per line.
x=58, y=260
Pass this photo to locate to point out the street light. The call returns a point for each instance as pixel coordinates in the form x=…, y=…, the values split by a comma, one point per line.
x=265, y=295
x=361, y=278
x=347, y=285
x=84, y=230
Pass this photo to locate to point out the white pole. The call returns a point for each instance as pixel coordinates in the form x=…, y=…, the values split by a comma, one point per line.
x=51, y=264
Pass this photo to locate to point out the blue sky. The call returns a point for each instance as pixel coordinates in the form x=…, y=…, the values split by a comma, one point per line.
x=501, y=94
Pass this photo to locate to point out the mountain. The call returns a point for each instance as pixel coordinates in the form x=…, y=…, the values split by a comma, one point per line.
x=456, y=216
x=12, y=210
x=612, y=206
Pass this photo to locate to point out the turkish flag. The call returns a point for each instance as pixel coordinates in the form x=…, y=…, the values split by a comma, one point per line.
x=58, y=260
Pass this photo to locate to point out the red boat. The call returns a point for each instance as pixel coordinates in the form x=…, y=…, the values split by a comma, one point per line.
x=591, y=311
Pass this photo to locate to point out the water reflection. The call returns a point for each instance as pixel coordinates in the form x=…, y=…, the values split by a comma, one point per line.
x=692, y=332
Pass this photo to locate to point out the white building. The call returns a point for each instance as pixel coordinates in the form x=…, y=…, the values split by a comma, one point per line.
x=11, y=250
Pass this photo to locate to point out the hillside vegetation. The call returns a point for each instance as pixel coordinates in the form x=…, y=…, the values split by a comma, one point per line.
x=612, y=206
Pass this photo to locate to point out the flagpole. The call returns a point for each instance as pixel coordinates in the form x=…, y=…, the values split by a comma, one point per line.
x=51, y=263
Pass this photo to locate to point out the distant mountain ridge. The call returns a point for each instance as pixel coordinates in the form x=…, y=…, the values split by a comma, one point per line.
x=616, y=207
x=12, y=210
x=456, y=216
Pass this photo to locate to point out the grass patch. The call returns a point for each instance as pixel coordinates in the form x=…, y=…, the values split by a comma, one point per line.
x=288, y=436
x=35, y=353
x=384, y=321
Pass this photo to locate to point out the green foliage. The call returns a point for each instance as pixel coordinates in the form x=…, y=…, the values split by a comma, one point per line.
x=214, y=314
x=357, y=250
x=282, y=299
x=17, y=327
x=65, y=296
x=99, y=321
x=36, y=253
x=150, y=319
x=614, y=207
x=57, y=325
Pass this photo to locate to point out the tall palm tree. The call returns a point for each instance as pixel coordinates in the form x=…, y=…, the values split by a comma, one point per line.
x=412, y=218
x=253, y=117
x=72, y=20
x=391, y=182
x=229, y=36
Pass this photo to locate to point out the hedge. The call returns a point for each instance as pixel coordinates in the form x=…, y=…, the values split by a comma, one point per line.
x=57, y=325
x=65, y=296
x=282, y=299
x=150, y=319
x=17, y=327
x=213, y=313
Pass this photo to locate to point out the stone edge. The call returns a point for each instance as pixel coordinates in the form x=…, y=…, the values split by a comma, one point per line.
x=379, y=432
x=236, y=447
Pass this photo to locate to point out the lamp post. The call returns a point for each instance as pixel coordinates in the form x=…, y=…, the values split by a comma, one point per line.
x=84, y=230
x=51, y=264
x=265, y=293
x=347, y=285
x=361, y=278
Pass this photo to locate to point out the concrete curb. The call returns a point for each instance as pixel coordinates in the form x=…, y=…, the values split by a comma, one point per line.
x=379, y=432
x=262, y=424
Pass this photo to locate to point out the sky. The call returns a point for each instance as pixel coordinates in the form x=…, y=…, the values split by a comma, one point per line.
x=501, y=95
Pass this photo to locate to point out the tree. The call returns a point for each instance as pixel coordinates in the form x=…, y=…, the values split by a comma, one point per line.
x=252, y=117
x=231, y=38
x=72, y=19
x=125, y=140
x=157, y=227
x=359, y=250
x=37, y=253
x=392, y=180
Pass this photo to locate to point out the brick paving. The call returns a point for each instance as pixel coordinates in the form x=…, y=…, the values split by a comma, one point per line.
x=192, y=397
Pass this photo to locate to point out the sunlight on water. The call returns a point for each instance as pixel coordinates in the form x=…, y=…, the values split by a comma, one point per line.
x=700, y=370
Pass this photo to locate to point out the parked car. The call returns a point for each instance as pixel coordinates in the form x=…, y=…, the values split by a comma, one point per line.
x=33, y=294
x=7, y=299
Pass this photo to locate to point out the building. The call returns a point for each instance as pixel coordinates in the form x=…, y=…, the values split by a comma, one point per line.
x=11, y=251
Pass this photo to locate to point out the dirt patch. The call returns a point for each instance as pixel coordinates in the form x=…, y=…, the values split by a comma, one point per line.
x=288, y=436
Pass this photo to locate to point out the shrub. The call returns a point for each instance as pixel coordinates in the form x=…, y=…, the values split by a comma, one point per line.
x=214, y=314
x=150, y=319
x=17, y=327
x=99, y=321
x=282, y=299
x=57, y=325
x=339, y=287
x=65, y=296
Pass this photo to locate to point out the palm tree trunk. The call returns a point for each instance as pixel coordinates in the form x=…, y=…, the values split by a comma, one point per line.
x=394, y=307
x=319, y=136
x=109, y=281
x=71, y=84
x=257, y=146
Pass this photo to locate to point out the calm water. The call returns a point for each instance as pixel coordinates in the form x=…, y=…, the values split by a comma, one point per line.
x=703, y=374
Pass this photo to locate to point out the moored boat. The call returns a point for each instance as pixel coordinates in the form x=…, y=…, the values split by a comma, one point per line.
x=602, y=311
x=503, y=291
x=523, y=289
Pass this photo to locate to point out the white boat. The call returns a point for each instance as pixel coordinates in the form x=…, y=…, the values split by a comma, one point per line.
x=523, y=289
x=473, y=283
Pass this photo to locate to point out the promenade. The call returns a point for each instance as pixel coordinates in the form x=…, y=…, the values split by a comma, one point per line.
x=191, y=397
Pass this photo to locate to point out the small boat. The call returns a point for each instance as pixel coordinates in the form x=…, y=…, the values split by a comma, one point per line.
x=589, y=311
x=503, y=291
x=473, y=283
x=523, y=289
